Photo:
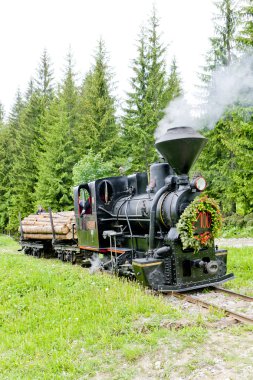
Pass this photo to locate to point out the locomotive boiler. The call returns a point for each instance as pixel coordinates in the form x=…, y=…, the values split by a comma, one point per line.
x=130, y=223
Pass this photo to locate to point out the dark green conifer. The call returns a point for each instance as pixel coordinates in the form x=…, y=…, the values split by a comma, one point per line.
x=69, y=94
x=2, y=113
x=226, y=161
x=245, y=37
x=29, y=145
x=221, y=160
x=174, y=85
x=9, y=156
x=223, y=49
x=44, y=80
x=98, y=126
x=56, y=162
x=150, y=94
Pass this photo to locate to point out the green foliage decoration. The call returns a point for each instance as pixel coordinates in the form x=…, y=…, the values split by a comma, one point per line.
x=187, y=223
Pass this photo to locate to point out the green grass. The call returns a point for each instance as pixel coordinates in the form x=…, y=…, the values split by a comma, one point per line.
x=235, y=232
x=58, y=321
x=7, y=244
x=240, y=262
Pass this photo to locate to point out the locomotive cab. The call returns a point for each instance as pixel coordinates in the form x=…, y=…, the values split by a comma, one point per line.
x=97, y=230
x=86, y=217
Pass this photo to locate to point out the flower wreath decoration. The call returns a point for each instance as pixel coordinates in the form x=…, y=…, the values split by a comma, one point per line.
x=187, y=225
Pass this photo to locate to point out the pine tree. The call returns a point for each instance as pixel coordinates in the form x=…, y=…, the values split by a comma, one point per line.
x=59, y=156
x=223, y=44
x=98, y=126
x=245, y=37
x=219, y=153
x=3, y=171
x=85, y=138
x=30, y=145
x=69, y=90
x=69, y=94
x=44, y=80
x=134, y=120
x=24, y=169
x=56, y=163
x=30, y=90
x=43, y=94
x=3, y=168
x=148, y=98
x=156, y=79
x=8, y=155
x=241, y=148
x=174, y=85
x=226, y=162
x=2, y=113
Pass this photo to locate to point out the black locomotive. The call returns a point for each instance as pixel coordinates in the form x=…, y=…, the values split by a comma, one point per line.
x=129, y=223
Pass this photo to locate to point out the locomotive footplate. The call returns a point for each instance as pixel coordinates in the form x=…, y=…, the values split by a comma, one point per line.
x=151, y=272
x=193, y=286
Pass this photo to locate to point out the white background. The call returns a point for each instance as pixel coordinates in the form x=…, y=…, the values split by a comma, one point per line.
x=27, y=27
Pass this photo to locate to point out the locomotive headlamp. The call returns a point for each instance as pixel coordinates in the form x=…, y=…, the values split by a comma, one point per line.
x=199, y=183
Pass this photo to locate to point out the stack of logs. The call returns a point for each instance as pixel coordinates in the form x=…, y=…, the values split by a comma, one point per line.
x=39, y=226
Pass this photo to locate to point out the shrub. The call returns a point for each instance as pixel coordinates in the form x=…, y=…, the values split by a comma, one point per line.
x=248, y=217
x=234, y=220
x=91, y=167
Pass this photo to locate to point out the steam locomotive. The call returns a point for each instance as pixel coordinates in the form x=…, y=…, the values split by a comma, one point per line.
x=129, y=223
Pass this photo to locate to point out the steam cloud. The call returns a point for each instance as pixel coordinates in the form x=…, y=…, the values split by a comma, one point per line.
x=229, y=85
x=95, y=264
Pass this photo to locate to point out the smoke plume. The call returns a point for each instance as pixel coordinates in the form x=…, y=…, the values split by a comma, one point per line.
x=230, y=85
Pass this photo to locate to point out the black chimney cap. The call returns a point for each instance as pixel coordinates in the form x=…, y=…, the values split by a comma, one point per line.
x=181, y=146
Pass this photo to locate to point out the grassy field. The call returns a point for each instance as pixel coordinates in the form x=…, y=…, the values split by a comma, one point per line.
x=240, y=262
x=58, y=321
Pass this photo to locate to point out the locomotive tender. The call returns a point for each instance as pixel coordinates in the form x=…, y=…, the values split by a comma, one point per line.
x=129, y=223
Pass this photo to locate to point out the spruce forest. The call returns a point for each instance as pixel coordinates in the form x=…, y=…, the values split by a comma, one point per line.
x=58, y=135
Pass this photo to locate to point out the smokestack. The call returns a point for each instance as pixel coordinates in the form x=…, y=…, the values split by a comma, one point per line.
x=181, y=147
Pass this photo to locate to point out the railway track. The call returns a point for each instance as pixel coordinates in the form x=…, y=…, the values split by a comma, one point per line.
x=202, y=299
x=232, y=294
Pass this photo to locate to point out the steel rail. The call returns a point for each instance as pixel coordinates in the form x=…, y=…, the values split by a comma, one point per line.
x=232, y=294
x=237, y=316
